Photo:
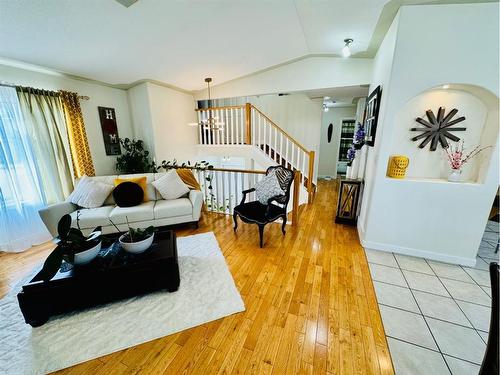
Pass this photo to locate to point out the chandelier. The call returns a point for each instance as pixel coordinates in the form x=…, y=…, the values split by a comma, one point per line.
x=210, y=122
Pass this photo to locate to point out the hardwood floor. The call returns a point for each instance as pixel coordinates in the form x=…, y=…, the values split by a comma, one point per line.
x=310, y=305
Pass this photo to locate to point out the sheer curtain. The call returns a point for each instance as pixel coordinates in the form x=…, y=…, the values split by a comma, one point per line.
x=21, y=193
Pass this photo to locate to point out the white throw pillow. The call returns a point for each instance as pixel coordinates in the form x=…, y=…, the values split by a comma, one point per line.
x=267, y=188
x=90, y=193
x=171, y=186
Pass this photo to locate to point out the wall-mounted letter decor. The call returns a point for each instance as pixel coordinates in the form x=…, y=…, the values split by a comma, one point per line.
x=109, y=130
x=437, y=128
x=330, y=132
x=371, y=115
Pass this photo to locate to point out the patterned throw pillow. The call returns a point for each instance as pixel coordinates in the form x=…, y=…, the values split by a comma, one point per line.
x=267, y=188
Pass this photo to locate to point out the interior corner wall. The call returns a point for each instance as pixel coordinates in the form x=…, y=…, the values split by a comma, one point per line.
x=171, y=111
x=140, y=111
x=99, y=95
x=431, y=218
x=305, y=74
x=329, y=152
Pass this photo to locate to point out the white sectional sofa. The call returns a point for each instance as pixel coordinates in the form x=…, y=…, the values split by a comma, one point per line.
x=156, y=211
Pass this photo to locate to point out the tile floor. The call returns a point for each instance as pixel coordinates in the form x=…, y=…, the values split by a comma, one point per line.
x=436, y=315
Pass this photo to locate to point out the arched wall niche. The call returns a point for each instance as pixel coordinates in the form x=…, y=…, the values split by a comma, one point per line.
x=480, y=108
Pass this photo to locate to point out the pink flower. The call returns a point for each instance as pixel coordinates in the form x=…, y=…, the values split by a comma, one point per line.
x=456, y=156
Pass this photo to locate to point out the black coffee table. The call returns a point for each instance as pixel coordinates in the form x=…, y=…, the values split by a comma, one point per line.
x=113, y=275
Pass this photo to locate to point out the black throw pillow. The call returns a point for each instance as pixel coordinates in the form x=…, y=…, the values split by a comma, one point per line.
x=128, y=194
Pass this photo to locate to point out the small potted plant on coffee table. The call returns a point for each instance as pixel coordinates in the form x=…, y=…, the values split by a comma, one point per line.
x=136, y=240
x=72, y=246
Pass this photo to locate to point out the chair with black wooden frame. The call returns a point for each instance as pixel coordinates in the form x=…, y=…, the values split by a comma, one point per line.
x=262, y=214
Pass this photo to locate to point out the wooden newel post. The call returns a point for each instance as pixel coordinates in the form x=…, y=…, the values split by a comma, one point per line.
x=248, y=123
x=296, y=195
x=310, y=176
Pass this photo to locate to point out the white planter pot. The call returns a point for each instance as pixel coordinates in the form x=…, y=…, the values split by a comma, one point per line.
x=362, y=162
x=355, y=165
x=136, y=247
x=87, y=256
x=348, y=173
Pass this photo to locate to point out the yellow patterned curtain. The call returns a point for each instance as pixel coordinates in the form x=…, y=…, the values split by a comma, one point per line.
x=79, y=145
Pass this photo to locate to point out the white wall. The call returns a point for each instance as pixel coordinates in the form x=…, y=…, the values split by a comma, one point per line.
x=99, y=96
x=140, y=111
x=329, y=152
x=307, y=74
x=432, y=218
x=170, y=112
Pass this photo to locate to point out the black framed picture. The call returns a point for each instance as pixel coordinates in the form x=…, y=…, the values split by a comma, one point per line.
x=109, y=130
x=371, y=115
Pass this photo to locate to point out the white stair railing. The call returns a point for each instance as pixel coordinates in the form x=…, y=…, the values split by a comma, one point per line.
x=231, y=130
x=223, y=189
x=247, y=125
x=278, y=145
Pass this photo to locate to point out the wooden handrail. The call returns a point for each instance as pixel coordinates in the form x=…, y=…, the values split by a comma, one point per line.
x=297, y=143
x=248, y=124
x=255, y=171
x=310, y=175
x=224, y=107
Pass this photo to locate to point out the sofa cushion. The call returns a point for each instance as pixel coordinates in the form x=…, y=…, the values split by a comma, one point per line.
x=92, y=217
x=128, y=194
x=150, y=177
x=142, y=212
x=170, y=186
x=90, y=193
x=107, y=180
x=172, y=208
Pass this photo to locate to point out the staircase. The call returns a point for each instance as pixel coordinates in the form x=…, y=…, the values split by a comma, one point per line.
x=245, y=125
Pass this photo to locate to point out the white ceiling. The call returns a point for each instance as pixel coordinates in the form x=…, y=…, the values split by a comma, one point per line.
x=179, y=42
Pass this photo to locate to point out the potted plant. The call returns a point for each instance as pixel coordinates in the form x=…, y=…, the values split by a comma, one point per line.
x=72, y=246
x=135, y=159
x=136, y=240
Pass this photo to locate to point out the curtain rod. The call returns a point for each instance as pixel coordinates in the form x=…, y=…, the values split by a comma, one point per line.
x=7, y=84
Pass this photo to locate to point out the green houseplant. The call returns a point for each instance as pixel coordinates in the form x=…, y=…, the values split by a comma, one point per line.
x=136, y=240
x=135, y=159
x=71, y=243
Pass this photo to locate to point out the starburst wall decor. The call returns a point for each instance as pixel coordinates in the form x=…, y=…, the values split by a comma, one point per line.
x=438, y=129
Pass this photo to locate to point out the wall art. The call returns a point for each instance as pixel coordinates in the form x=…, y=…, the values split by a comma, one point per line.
x=438, y=128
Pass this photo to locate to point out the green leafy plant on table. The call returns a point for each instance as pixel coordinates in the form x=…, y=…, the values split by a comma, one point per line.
x=70, y=241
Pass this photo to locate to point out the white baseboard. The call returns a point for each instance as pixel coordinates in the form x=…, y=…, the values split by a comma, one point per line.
x=469, y=262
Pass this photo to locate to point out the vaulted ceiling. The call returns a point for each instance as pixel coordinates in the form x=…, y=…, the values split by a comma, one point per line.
x=179, y=42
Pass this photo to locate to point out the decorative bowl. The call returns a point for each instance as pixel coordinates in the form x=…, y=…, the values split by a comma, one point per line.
x=87, y=256
x=136, y=247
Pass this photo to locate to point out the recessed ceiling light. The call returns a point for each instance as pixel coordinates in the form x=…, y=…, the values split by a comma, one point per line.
x=446, y=87
x=346, y=51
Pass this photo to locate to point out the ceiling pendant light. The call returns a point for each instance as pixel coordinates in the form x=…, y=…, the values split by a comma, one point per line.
x=346, y=51
x=211, y=122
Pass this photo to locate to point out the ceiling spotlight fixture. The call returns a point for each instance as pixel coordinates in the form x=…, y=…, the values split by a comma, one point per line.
x=210, y=122
x=325, y=107
x=346, y=51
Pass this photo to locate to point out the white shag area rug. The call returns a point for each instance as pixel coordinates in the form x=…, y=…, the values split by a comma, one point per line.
x=207, y=292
